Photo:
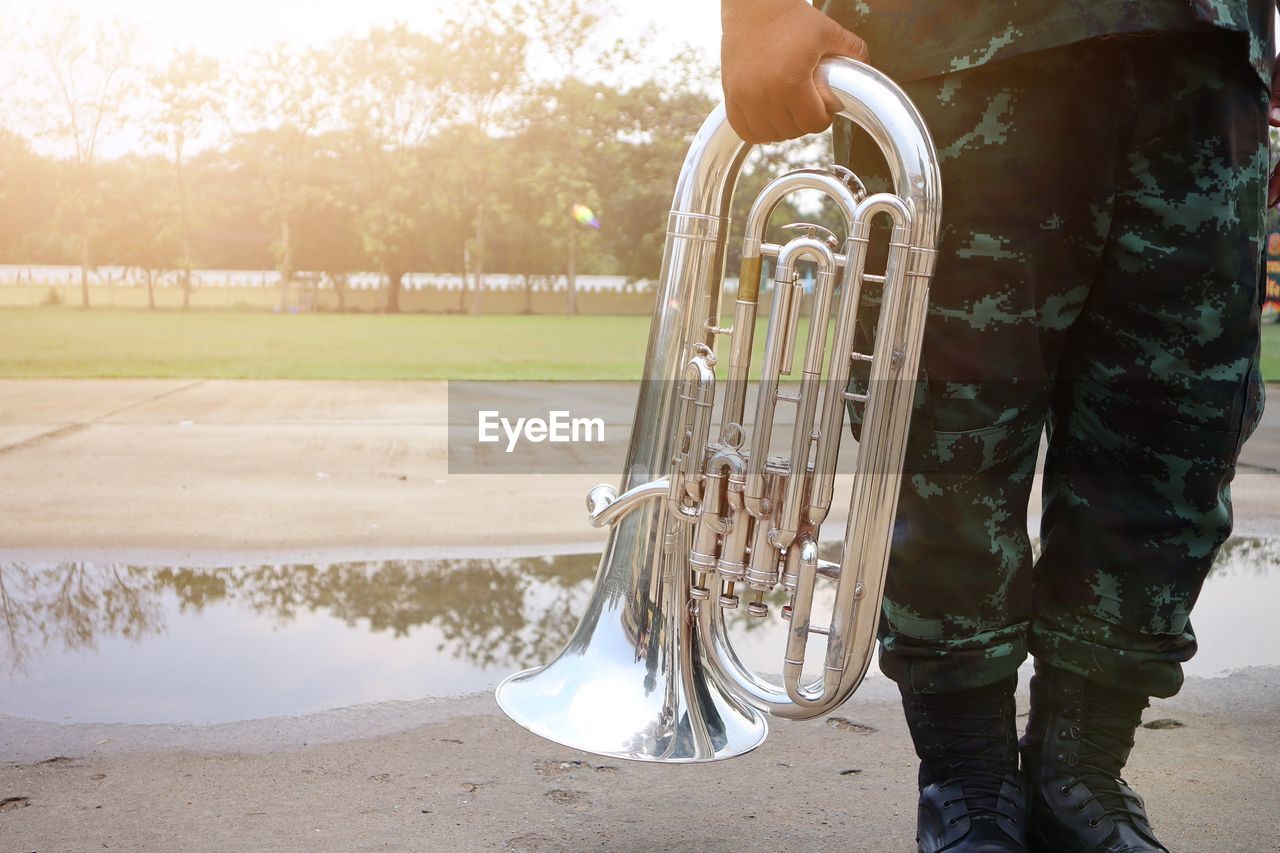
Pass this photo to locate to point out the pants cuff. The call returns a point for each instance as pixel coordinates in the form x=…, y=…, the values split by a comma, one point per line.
x=1150, y=665
x=964, y=664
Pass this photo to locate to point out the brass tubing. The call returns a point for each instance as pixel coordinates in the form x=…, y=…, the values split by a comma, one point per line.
x=783, y=314
x=792, y=509
x=767, y=400
x=686, y=698
x=733, y=545
x=723, y=477
x=740, y=343
x=879, y=469
x=699, y=395
x=860, y=579
x=798, y=630
x=762, y=570
x=915, y=208
x=826, y=453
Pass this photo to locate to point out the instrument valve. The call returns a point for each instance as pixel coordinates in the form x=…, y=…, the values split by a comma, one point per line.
x=811, y=231
x=850, y=180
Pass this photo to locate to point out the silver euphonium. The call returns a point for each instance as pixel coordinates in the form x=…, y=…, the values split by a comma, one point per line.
x=704, y=521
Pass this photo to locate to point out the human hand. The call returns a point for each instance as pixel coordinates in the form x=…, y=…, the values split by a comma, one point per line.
x=769, y=56
x=1273, y=118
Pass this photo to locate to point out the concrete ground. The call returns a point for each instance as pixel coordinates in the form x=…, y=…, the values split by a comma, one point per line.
x=261, y=468
x=221, y=471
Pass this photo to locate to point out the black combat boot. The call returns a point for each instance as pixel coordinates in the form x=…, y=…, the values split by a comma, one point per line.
x=1078, y=739
x=972, y=799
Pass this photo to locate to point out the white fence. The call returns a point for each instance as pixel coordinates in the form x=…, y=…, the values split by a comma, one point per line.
x=24, y=274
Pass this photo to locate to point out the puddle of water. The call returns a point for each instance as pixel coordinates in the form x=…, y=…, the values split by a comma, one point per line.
x=87, y=642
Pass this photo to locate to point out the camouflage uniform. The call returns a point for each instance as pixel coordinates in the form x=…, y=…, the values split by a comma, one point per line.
x=1099, y=273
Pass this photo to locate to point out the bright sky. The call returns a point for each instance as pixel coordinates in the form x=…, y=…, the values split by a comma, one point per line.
x=232, y=28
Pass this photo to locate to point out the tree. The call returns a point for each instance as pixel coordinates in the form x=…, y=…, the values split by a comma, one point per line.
x=90, y=74
x=142, y=232
x=487, y=61
x=565, y=32
x=25, y=196
x=290, y=113
x=394, y=98
x=395, y=151
x=186, y=95
x=327, y=236
x=14, y=70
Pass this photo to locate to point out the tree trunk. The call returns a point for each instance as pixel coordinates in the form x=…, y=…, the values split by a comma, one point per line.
x=573, y=282
x=286, y=262
x=186, y=273
x=466, y=277
x=528, y=293
x=340, y=290
x=184, y=218
x=394, y=278
x=84, y=268
x=151, y=292
x=479, y=259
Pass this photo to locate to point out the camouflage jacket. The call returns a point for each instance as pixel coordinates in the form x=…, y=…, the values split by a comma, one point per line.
x=912, y=39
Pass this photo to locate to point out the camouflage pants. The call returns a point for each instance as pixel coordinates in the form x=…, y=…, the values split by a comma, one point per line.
x=1098, y=277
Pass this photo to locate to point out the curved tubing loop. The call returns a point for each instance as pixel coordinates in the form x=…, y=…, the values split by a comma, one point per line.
x=876, y=104
x=778, y=355
x=781, y=187
x=785, y=305
x=697, y=398
x=605, y=505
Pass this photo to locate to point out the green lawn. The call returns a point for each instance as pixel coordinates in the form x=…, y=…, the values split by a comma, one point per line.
x=1271, y=352
x=68, y=342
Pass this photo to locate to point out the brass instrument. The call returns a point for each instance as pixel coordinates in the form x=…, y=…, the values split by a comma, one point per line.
x=706, y=520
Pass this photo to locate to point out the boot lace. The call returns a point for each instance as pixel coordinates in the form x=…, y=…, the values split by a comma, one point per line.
x=977, y=756
x=1105, y=746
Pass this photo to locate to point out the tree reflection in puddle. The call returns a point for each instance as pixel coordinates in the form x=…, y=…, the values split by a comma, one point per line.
x=488, y=612
x=314, y=636
x=72, y=605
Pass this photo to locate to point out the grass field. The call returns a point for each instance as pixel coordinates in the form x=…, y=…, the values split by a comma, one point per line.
x=1271, y=352
x=67, y=342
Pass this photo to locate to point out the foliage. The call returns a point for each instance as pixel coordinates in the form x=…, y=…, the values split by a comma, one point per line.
x=392, y=151
x=89, y=77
